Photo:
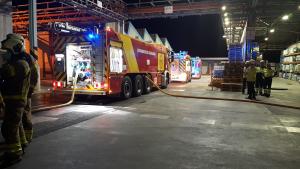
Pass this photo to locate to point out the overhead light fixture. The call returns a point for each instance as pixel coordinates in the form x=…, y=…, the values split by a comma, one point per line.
x=224, y=36
x=226, y=19
x=266, y=39
x=225, y=14
x=226, y=22
x=299, y=7
x=224, y=8
x=272, y=30
x=285, y=17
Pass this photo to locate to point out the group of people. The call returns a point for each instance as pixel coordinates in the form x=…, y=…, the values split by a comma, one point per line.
x=257, y=78
x=18, y=79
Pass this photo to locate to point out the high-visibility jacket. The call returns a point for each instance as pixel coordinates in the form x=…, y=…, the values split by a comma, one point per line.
x=268, y=72
x=251, y=74
x=16, y=79
x=259, y=70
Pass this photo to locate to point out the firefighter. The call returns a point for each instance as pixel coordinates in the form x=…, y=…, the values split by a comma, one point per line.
x=26, y=118
x=251, y=77
x=268, y=74
x=244, y=77
x=15, y=74
x=259, y=78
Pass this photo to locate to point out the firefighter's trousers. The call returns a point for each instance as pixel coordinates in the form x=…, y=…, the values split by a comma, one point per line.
x=26, y=120
x=259, y=84
x=12, y=129
x=267, y=86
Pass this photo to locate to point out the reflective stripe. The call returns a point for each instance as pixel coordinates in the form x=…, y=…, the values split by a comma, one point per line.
x=23, y=140
x=14, y=148
x=28, y=134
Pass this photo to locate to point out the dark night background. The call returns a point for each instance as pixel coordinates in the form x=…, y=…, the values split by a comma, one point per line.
x=199, y=35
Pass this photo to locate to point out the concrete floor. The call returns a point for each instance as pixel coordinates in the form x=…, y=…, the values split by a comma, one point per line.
x=160, y=132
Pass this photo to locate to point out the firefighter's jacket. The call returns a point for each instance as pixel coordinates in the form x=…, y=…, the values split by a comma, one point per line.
x=16, y=79
x=268, y=72
x=251, y=74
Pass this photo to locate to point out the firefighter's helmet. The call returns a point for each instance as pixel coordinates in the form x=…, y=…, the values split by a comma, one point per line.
x=13, y=44
x=15, y=36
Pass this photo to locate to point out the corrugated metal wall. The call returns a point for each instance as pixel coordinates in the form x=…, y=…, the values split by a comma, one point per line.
x=5, y=18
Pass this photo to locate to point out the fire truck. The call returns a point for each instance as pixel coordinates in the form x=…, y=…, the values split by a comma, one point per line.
x=109, y=63
x=181, y=70
x=196, y=67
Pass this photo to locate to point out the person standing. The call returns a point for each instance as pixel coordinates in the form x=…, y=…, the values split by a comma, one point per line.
x=244, y=77
x=26, y=118
x=15, y=74
x=268, y=74
x=251, y=77
x=259, y=77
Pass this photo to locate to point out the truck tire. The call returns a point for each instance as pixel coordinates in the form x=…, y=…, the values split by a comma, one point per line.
x=167, y=82
x=147, y=86
x=126, y=91
x=138, y=86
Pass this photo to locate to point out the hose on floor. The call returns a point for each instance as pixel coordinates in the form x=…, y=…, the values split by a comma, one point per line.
x=222, y=99
x=60, y=105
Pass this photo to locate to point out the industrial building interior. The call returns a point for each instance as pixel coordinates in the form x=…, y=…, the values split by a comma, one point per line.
x=160, y=84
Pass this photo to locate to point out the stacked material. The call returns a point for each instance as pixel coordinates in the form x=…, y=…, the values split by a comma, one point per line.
x=217, y=77
x=290, y=63
x=233, y=76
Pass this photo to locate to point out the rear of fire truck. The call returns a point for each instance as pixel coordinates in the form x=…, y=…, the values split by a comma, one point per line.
x=196, y=67
x=110, y=63
x=181, y=67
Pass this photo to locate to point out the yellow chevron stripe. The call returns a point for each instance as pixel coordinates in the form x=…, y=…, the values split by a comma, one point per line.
x=129, y=54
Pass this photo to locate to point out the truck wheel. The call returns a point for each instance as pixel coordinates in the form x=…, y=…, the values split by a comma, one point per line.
x=126, y=88
x=167, y=82
x=147, y=86
x=138, y=86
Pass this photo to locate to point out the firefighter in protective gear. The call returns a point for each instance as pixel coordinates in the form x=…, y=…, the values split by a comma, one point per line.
x=15, y=74
x=26, y=118
x=244, y=77
x=251, y=77
x=268, y=74
x=259, y=83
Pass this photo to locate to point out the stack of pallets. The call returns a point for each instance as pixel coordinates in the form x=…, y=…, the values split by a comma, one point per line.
x=233, y=77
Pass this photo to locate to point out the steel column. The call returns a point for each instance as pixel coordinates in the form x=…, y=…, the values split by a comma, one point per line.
x=33, y=35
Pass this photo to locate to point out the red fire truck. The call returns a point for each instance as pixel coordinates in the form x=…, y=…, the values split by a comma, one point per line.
x=109, y=63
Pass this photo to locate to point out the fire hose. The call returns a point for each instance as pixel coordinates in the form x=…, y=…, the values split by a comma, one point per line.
x=221, y=99
x=60, y=105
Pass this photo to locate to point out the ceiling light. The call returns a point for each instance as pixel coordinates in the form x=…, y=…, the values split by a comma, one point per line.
x=223, y=8
x=272, y=30
x=224, y=36
x=266, y=39
x=226, y=14
x=285, y=17
x=226, y=22
x=299, y=7
x=226, y=19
